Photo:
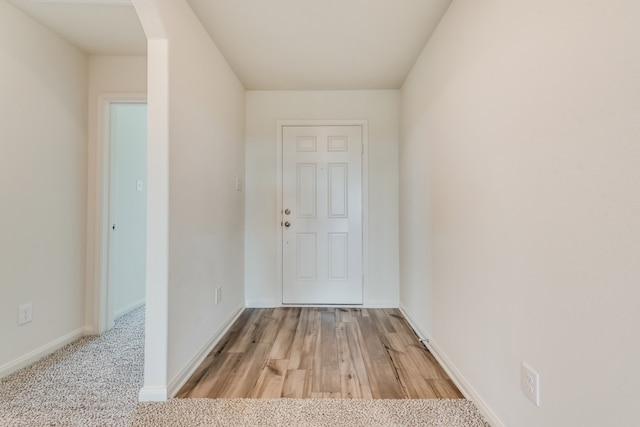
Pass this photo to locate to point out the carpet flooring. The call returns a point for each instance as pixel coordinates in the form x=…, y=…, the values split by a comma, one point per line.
x=91, y=382
x=309, y=413
x=95, y=382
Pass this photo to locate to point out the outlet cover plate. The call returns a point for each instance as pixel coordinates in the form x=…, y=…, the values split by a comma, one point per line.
x=25, y=314
x=530, y=383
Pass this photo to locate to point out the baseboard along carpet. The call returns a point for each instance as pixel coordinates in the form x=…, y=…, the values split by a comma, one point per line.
x=95, y=382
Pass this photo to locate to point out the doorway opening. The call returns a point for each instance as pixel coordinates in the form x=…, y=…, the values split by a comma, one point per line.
x=122, y=216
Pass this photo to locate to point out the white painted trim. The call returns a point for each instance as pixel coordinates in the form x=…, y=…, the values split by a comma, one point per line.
x=276, y=304
x=156, y=333
x=263, y=303
x=188, y=370
x=364, y=124
x=129, y=308
x=101, y=320
x=456, y=376
x=40, y=352
x=382, y=304
x=152, y=394
x=92, y=2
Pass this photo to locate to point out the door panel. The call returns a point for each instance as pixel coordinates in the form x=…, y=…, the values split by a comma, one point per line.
x=322, y=214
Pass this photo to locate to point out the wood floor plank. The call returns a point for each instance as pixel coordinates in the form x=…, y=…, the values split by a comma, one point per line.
x=271, y=380
x=247, y=334
x=295, y=355
x=387, y=383
x=297, y=384
x=415, y=386
x=268, y=327
x=355, y=350
x=309, y=344
x=401, y=326
x=326, y=367
x=445, y=389
x=429, y=367
x=349, y=383
x=380, y=319
x=217, y=374
x=245, y=375
x=284, y=338
x=345, y=315
x=395, y=342
x=320, y=352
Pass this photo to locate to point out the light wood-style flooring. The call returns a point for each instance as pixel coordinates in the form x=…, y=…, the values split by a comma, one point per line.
x=320, y=353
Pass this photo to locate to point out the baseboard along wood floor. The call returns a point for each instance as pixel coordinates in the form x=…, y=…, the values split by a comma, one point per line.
x=320, y=353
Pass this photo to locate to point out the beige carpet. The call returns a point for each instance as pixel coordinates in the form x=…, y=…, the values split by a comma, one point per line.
x=308, y=412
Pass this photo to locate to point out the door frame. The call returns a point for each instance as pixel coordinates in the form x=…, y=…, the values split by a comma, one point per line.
x=98, y=273
x=364, y=124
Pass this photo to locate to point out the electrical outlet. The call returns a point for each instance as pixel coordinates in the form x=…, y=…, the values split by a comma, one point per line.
x=25, y=314
x=530, y=383
x=218, y=295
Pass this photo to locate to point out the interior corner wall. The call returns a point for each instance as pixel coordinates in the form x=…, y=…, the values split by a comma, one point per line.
x=43, y=131
x=520, y=131
x=264, y=108
x=206, y=116
x=108, y=74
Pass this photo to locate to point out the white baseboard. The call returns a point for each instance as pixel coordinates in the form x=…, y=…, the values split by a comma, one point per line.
x=129, y=308
x=186, y=372
x=152, y=394
x=456, y=376
x=262, y=303
x=275, y=304
x=381, y=304
x=40, y=352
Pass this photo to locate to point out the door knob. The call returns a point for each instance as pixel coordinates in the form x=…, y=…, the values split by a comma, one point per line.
x=287, y=211
x=287, y=224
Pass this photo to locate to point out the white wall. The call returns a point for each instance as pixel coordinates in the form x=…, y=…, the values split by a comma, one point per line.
x=43, y=128
x=128, y=243
x=520, y=163
x=264, y=108
x=110, y=77
x=196, y=116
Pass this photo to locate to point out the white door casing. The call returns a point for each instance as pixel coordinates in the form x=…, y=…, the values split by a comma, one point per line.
x=322, y=214
x=101, y=314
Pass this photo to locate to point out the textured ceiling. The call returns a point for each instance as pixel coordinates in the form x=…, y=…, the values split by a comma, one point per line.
x=271, y=44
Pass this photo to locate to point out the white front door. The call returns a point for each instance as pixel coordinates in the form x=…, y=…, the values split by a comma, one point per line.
x=322, y=214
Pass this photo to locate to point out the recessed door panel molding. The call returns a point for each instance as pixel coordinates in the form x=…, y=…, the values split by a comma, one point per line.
x=306, y=190
x=338, y=143
x=307, y=246
x=322, y=214
x=338, y=188
x=306, y=144
x=338, y=256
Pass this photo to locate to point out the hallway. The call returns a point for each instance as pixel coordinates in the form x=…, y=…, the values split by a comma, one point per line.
x=320, y=353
